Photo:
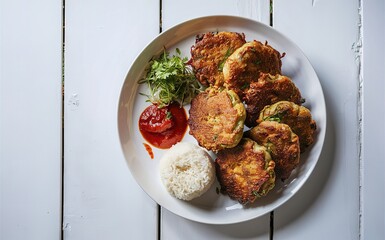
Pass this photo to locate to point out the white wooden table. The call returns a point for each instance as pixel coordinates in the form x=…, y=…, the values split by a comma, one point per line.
x=62, y=171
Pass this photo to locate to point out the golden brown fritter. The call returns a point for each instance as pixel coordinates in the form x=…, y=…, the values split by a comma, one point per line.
x=245, y=172
x=216, y=119
x=247, y=62
x=268, y=90
x=297, y=117
x=209, y=54
x=281, y=143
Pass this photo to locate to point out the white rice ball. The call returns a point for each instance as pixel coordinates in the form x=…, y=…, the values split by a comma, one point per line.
x=186, y=171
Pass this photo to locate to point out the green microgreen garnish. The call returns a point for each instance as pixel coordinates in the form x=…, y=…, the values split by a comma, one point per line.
x=168, y=115
x=170, y=79
x=255, y=193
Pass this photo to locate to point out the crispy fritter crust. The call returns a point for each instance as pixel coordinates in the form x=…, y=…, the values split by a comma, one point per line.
x=209, y=54
x=297, y=117
x=281, y=143
x=247, y=62
x=216, y=119
x=245, y=172
x=267, y=90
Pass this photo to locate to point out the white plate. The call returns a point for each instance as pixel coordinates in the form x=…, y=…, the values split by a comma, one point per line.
x=216, y=208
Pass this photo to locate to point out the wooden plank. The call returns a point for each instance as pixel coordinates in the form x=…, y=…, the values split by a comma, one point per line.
x=327, y=207
x=30, y=119
x=175, y=227
x=174, y=12
x=101, y=199
x=373, y=96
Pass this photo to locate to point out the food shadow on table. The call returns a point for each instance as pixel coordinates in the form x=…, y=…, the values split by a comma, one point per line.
x=316, y=184
x=258, y=228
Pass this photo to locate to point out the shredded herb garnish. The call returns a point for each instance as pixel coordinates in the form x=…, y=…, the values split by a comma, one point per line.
x=222, y=63
x=168, y=115
x=245, y=86
x=255, y=193
x=170, y=79
x=276, y=117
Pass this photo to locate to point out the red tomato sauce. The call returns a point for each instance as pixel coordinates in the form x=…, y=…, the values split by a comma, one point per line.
x=149, y=150
x=163, y=127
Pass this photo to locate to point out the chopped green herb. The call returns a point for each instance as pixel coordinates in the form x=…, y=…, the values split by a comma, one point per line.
x=269, y=146
x=276, y=117
x=245, y=86
x=222, y=63
x=215, y=137
x=255, y=193
x=168, y=115
x=170, y=79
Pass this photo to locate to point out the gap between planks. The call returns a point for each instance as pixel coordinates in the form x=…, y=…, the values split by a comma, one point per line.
x=62, y=119
x=271, y=14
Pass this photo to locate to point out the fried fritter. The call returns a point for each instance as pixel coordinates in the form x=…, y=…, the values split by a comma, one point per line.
x=217, y=119
x=245, y=172
x=297, y=117
x=267, y=90
x=209, y=54
x=281, y=143
x=247, y=62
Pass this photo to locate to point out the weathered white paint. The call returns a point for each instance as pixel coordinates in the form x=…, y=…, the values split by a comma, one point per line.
x=30, y=119
x=373, y=143
x=327, y=207
x=174, y=227
x=101, y=199
x=174, y=12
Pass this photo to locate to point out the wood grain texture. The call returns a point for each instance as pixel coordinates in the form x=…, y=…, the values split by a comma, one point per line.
x=343, y=199
x=30, y=120
x=174, y=12
x=373, y=99
x=102, y=200
x=327, y=207
x=175, y=227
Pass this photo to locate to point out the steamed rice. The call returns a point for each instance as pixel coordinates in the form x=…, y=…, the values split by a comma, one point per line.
x=187, y=171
